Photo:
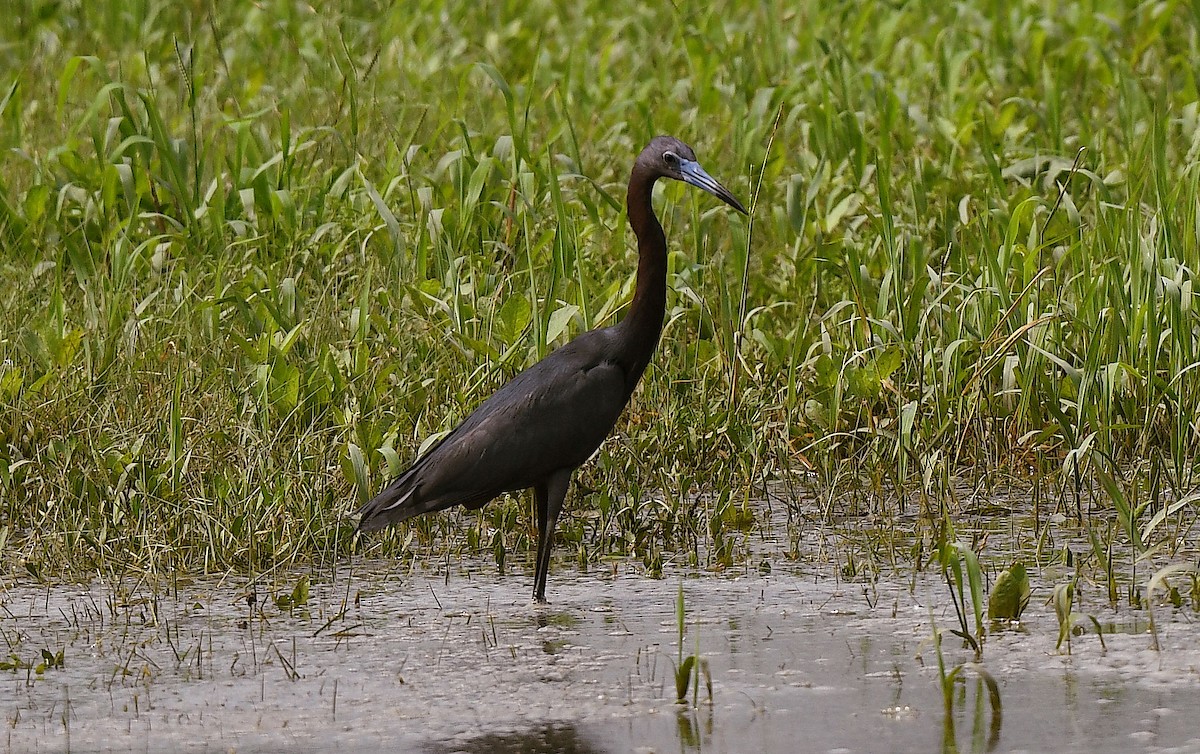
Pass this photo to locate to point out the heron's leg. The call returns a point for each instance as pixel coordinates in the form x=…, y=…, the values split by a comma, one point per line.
x=539, y=498
x=549, y=495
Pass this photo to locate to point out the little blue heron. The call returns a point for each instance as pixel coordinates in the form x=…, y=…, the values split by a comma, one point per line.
x=546, y=421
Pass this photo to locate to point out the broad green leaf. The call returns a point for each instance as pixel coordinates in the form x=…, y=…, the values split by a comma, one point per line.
x=512, y=318
x=559, y=320
x=1010, y=594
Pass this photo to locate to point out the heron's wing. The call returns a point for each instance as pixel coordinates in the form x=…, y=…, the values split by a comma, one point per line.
x=531, y=428
x=552, y=416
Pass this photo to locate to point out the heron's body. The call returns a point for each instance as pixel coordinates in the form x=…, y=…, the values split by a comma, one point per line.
x=502, y=446
x=546, y=421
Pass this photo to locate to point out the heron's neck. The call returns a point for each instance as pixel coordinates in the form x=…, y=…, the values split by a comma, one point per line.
x=643, y=323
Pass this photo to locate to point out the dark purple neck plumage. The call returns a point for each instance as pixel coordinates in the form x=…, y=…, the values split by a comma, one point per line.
x=643, y=323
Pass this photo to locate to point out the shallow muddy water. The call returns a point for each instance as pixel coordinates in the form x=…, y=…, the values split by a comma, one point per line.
x=461, y=660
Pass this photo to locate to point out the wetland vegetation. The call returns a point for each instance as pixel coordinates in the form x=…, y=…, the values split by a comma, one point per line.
x=253, y=255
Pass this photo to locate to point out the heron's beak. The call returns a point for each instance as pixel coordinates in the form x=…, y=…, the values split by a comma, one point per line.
x=694, y=174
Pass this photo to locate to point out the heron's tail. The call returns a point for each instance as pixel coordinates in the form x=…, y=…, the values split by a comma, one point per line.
x=397, y=502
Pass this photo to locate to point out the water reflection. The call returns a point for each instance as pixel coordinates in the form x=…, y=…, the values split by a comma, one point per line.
x=985, y=727
x=695, y=728
x=546, y=739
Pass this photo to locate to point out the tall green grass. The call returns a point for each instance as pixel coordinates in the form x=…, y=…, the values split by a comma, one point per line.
x=254, y=254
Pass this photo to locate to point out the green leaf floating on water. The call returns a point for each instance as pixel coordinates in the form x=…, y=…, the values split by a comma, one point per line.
x=1010, y=594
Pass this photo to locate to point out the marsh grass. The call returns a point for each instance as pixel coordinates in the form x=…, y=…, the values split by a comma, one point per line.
x=255, y=256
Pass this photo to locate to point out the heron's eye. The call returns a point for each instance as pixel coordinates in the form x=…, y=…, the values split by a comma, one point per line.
x=671, y=159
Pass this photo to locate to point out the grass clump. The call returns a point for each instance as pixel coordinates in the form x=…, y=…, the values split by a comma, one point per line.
x=252, y=257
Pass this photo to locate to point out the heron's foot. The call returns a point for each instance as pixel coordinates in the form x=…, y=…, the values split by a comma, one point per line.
x=540, y=599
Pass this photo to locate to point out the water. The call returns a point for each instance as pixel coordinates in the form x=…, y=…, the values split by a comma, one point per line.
x=461, y=660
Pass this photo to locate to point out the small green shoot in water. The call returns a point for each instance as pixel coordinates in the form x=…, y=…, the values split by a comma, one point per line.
x=689, y=669
x=1010, y=594
x=954, y=557
x=1159, y=581
x=297, y=598
x=1069, y=621
x=13, y=662
x=49, y=661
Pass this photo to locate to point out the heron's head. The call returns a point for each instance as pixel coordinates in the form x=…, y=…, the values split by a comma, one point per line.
x=668, y=157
